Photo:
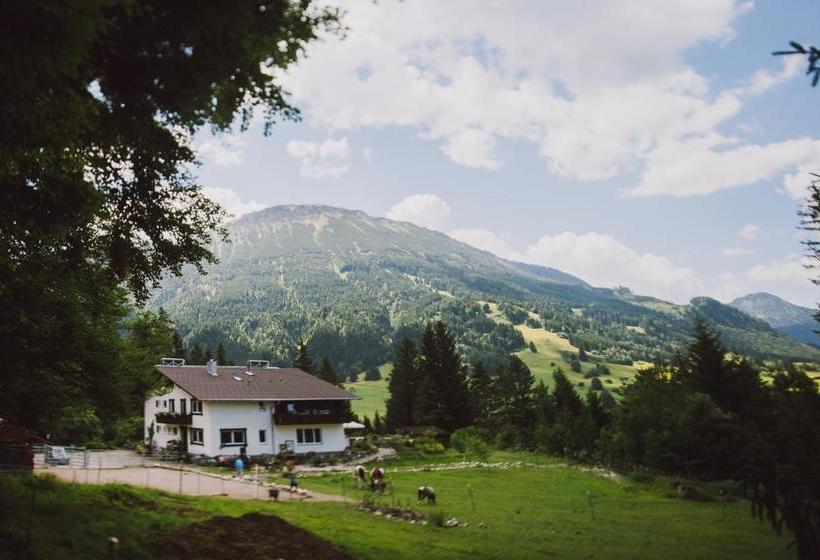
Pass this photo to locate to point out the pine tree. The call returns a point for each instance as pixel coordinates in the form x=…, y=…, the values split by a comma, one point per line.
x=481, y=394
x=197, y=355
x=302, y=360
x=372, y=374
x=208, y=356
x=179, y=346
x=564, y=396
x=220, y=355
x=582, y=354
x=533, y=349
x=514, y=388
x=402, y=386
x=444, y=400
x=368, y=426
x=378, y=425
x=705, y=369
x=543, y=407
x=327, y=373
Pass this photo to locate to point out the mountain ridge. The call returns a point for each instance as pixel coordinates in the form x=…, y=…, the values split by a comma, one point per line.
x=793, y=320
x=351, y=283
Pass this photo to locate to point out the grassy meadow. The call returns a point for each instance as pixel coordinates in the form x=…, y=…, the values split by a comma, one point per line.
x=548, y=345
x=542, y=509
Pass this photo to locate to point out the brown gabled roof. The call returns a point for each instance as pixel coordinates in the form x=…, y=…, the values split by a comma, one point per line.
x=236, y=383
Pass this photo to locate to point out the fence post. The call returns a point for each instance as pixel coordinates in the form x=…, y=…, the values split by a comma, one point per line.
x=198, y=478
x=256, y=475
x=180, y=477
x=99, y=468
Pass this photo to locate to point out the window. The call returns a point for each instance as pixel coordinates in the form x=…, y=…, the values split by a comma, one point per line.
x=158, y=402
x=233, y=436
x=261, y=406
x=182, y=408
x=197, y=436
x=175, y=431
x=196, y=406
x=309, y=435
x=171, y=407
x=262, y=436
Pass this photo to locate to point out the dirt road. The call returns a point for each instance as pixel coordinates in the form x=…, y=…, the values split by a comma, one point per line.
x=190, y=482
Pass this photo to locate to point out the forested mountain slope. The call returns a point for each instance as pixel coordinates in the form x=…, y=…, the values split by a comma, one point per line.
x=349, y=283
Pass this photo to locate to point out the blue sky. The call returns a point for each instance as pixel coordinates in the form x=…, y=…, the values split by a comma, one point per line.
x=662, y=148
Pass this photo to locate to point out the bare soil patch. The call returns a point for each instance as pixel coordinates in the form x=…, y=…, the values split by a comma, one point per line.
x=250, y=537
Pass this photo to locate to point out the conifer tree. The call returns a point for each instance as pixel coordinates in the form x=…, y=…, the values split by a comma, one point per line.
x=514, y=388
x=220, y=355
x=302, y=360
x=443, y=402
x=402, y=386
x=705, y=369
x=481, y=393
x=378, y=425
x=208, y=356
x=179, y=346
x=327, y=373
x=564, y=396
x=197, y=355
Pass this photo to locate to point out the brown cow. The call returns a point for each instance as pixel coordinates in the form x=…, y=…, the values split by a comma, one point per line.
x=361, y=476
x=427, y=493
x=377, y=482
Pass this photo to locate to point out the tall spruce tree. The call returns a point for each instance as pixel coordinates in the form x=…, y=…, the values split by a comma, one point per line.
x=705, y=369
x=179, y=345
x=442, y=399
x=302, y=360
x=402, y=386
x=197, y=354
x=481, y=393
x=327, y=373
x=514, y=387
x=220, y=355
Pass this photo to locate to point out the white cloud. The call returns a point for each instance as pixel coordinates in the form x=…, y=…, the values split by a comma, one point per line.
x=749, y=231
x=483, y=239
x=602, y=260
x=225, y=150
x=320, y=159
x=596, y=95
x=367, y=153
x=231, y=201
x=709, y=164
x=472, y=148
x=736, y=252
x=424, y=209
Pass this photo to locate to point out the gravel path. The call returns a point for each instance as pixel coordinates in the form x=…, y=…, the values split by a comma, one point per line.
x=185, y=481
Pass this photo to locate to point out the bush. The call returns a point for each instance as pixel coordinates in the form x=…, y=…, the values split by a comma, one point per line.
x=470, y=441
x=596, y=384
x=429, y=445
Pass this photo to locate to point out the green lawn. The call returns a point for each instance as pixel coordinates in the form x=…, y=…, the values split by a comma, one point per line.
x=531, y=512
x=372, y=394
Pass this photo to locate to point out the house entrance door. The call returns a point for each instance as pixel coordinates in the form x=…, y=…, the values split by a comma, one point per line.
x=183, y=439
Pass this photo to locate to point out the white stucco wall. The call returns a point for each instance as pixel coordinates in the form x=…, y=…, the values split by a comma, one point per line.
x=164, y=433
x=219, y=415
x=333, y=438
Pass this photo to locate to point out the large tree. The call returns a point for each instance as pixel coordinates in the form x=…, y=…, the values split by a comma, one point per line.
x=402, y=386
x=303, y=360
x=442, y=399
x=101, y=99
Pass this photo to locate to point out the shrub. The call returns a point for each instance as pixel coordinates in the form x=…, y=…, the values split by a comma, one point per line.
x=596, y=384
x=470, y=441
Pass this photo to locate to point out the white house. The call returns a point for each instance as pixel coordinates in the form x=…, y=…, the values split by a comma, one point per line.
x=216, y=410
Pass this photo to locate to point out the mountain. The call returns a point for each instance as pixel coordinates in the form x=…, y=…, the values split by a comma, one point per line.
x=350, y=284
x=795, y=321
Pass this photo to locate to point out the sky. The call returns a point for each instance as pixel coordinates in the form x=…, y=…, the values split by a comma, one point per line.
x=654, y=145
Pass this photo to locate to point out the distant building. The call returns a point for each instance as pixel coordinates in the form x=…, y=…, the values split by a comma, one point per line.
x=216, y=410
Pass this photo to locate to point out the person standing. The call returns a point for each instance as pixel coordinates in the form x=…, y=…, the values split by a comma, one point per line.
x=239, y=464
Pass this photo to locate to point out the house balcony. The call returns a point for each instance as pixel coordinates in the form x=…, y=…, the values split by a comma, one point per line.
x=314, y=413
x=173, y=418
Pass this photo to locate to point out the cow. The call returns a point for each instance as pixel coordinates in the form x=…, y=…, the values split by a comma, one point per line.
x=377, y=482
x=361, y=476
x=427, y=493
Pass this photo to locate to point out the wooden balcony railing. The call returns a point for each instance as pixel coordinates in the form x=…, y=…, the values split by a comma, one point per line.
x=173, y=418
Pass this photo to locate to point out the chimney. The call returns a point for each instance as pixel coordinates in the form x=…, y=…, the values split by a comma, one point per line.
x=211, y=368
